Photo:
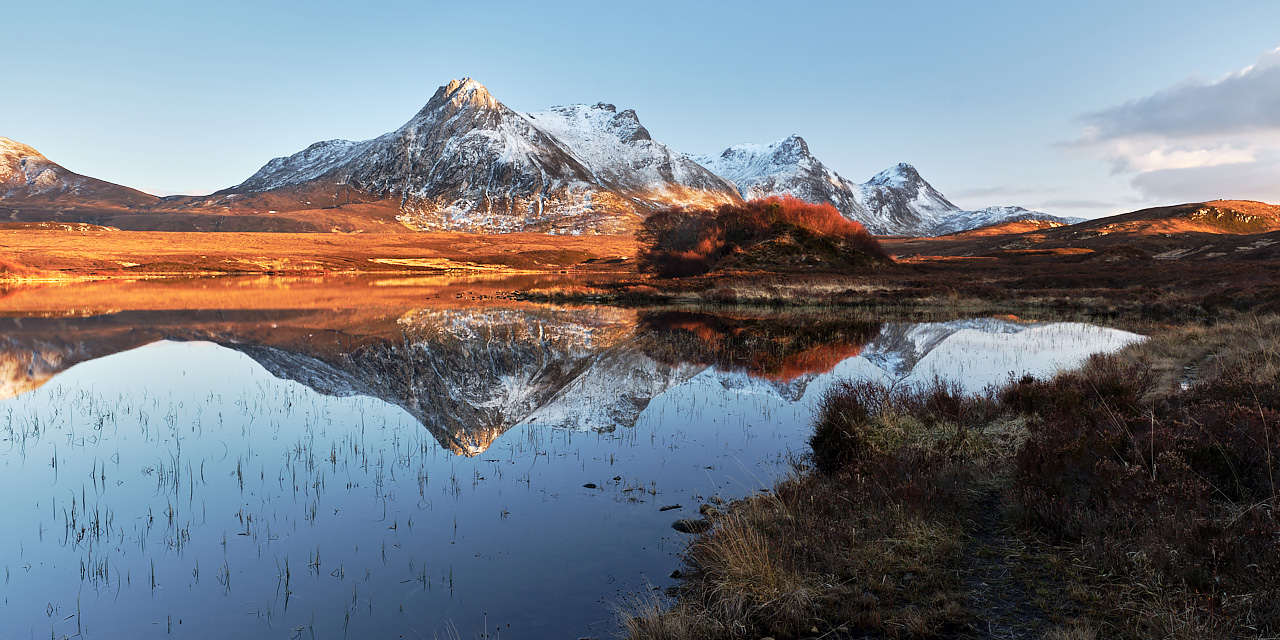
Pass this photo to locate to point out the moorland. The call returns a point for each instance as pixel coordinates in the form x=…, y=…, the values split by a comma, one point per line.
x=1135, y=497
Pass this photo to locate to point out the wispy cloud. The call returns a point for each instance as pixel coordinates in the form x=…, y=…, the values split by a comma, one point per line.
x=1197, y=140
x=1077, y=203
x=1003, y=191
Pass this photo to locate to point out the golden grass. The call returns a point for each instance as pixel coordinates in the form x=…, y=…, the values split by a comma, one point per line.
x=108, y=253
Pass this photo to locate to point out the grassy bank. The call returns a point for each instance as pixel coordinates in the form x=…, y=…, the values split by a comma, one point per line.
x=1132, y=498
x=1163, y=290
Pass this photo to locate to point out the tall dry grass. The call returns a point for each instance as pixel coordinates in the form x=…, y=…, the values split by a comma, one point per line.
x=1136, y=497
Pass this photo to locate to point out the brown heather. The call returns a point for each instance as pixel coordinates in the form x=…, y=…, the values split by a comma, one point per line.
x=1133, y=498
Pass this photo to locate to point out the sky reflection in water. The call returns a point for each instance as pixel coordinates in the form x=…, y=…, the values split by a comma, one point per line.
x=276, y=477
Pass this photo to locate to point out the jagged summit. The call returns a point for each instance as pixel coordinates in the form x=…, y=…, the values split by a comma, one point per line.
x=457, y=96
x=622, y=156
x=899, y=175
x=464, y=91
x=748, y=160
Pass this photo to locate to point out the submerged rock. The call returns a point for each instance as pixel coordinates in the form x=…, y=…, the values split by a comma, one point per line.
x=691, y=525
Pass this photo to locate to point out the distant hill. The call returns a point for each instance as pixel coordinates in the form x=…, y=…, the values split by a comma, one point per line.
x=1219, y=229
x=34, y=188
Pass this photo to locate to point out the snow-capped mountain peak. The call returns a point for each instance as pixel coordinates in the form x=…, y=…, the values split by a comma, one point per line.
x=748, y=161
x=457, y=95
x=622, y=155
x=901, y=175
x=785, y=167
x=901, y=202
x=467, y=162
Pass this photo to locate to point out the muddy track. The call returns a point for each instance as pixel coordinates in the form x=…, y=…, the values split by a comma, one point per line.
x=993, y=571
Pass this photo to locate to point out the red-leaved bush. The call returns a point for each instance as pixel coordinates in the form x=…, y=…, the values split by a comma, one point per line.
x=683, y=242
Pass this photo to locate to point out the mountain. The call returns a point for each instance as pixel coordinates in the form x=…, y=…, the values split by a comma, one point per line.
x=34, y=188
x=1215, y=230
x=991, y=216
x=896, y=201
x=786, y=167
x=898, y=194
x=466, y=162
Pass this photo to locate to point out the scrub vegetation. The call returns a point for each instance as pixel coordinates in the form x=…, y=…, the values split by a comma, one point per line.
x=769, y=234
x=1132, y=498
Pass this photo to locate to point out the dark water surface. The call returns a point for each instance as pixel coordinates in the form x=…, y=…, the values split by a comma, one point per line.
x=411, y=467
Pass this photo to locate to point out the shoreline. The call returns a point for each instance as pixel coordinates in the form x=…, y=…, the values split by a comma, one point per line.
x=1044, y=509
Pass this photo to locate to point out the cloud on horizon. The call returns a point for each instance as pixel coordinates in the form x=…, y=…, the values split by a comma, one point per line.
x=1196, y=140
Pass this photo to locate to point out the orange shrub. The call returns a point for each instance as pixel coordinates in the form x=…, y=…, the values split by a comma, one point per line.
x=683, y=242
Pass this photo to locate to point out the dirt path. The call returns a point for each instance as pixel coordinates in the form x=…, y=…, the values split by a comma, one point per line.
x=994, y=570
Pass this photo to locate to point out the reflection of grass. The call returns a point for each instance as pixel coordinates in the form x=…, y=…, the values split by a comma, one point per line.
x=1124, y=499
x=10, y=268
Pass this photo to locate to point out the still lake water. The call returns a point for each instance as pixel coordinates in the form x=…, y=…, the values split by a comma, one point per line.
x=464, y=466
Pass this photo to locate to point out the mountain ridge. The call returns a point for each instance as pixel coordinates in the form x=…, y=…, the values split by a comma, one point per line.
x=466, y=162
x=896, y=201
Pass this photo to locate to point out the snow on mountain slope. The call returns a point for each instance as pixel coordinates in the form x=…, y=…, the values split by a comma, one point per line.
x=896, y=201
x=786, y=167
x=623, y=156
x=908, y=204
x=965, y=220
x=464, y=162
x=308, y=164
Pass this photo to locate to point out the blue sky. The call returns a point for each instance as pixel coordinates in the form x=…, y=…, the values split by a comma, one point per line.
x=1082, y=108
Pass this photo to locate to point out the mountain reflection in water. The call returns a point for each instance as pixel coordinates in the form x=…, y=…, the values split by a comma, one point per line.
x=263, y=471
x=470, y=374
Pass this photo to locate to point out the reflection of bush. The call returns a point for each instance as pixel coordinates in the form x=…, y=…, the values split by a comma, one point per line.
x=776, y=348
x=774, y=232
